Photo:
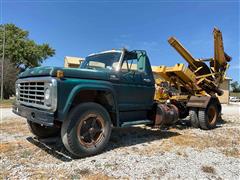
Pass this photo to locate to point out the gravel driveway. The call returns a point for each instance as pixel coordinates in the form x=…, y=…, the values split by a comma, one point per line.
x=6, y=113
x=140, y=152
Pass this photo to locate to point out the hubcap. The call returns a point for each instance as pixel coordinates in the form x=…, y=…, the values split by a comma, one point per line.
x=90, y=130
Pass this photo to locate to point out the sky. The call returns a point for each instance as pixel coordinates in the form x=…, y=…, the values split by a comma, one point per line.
x=79, y=28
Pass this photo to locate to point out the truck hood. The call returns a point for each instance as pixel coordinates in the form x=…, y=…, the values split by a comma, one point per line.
x=68, y=72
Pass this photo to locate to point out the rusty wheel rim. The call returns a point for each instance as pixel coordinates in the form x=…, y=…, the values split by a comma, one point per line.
x=212, y=115
x=90, y=130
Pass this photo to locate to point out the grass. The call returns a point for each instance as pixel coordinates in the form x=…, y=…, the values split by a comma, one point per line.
x=6, y=103
x=7, y=147
x=225, y=140
x=15, y=127
x=233, y=152
x=223, y=143
x=26, y=153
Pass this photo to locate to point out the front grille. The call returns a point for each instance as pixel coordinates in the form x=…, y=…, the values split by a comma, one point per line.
x=31, y=93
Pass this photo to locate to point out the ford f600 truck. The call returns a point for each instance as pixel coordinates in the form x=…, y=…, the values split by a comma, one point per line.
x=115, y=88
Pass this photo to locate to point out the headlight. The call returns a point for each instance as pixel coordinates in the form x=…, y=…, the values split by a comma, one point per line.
x=47, y=94
x=17, y=90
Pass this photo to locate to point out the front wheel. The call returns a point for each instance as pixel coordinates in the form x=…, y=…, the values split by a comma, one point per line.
x=87, y=130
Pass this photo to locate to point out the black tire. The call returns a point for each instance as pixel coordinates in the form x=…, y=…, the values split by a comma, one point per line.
x=193, y=113
x=42, y=131
x=87, y=129
x=208, y=117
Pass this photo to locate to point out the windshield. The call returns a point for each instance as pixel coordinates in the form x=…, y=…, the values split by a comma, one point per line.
x=108, y=60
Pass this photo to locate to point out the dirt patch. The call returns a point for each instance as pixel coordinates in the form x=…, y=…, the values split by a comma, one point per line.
x=208, y=169
x=88, y=175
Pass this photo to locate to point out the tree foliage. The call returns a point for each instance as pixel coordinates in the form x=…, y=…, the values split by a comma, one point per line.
x=235, y=86
x=9, y=77
x=21, y=50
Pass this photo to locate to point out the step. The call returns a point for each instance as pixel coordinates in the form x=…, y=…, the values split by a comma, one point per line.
x=138, y=122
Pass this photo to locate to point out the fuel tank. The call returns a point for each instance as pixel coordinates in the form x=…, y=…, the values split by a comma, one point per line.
x=166, y=114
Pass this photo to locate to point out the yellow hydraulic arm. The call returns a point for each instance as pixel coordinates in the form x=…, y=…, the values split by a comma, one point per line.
x=220, y=57
x=207, y=78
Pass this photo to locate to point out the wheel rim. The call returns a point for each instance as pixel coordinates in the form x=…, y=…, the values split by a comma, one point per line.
x=90, y=130
x=212, y=115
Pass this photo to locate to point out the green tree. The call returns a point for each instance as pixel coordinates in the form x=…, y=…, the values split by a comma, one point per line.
x=235, y=86
x=9, y=77
x=20, y=51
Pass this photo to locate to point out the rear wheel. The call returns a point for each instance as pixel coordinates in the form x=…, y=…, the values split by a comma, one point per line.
x=208, y=117
x=87, y=130
x=42, y=131
x=193, y=113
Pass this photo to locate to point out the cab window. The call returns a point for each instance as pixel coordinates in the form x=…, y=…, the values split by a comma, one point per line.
x=133, y=62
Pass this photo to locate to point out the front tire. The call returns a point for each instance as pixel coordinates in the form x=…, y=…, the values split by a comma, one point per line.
x=42, y=131
x=87, y=130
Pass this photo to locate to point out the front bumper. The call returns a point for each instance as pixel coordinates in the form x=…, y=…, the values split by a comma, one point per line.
x=35, y=115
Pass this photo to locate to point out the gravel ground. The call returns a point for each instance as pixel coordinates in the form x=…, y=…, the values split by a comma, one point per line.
x=179, y=152
x=6, y=113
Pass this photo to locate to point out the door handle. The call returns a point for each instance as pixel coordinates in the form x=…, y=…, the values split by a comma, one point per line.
x=147, y=80
x=114, y=77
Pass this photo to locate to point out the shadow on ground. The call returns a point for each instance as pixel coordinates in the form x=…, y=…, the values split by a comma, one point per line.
x=120, y=137
x=185, y=124
x=221, y=121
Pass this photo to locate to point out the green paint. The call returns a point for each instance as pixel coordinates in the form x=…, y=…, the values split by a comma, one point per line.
x=130, y=89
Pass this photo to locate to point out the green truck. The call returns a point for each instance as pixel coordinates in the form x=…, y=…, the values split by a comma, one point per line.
x=113, y=88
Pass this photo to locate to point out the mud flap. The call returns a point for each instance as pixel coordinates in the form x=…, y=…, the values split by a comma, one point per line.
x=198, y=101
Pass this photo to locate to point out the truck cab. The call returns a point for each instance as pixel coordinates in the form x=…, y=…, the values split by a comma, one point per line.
x=131, y=79
x=111, y=89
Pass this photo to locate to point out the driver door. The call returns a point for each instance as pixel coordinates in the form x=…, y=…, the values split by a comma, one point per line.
x=136, y=87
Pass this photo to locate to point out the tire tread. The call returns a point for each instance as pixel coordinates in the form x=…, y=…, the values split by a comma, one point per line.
x=203, y=119
x=193, y=113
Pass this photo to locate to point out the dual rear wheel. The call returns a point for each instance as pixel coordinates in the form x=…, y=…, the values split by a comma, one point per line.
x=205, y=118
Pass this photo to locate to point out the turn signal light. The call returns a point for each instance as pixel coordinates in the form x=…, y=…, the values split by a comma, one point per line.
x=60, y=74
